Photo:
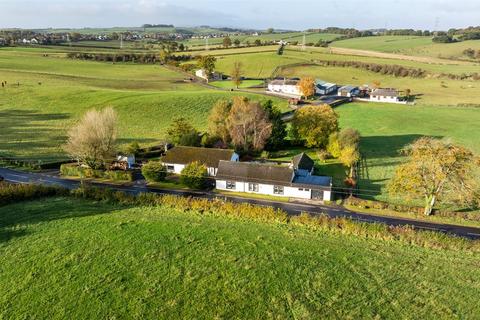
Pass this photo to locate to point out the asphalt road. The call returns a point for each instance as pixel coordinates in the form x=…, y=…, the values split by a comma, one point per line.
x=291, y=208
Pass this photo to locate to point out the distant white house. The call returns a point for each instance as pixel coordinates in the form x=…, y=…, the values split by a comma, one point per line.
x=385, y=95
x=294, y=181
x=214, y=76
x=288, y=87
x=324, y=88
x=348, y=91
x=178, y=157
x=128, y=159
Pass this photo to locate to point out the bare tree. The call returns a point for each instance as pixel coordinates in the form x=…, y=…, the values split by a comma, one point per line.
x=248, y=124
x=92, y=141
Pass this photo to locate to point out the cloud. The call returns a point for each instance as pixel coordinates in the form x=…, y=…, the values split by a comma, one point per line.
x=286, y=14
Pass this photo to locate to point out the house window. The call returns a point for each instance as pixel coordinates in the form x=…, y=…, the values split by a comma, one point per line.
x=170, y=168
x=278, y=189
x=300, y=189
x=231, y=185
x=253, y=187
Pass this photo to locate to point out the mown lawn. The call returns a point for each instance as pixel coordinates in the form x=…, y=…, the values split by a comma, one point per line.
x=66, y=258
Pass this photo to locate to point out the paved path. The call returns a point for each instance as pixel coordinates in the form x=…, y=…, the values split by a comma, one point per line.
x=290, y=207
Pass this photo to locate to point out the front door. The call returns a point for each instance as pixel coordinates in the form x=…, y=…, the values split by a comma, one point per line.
x=317, y=195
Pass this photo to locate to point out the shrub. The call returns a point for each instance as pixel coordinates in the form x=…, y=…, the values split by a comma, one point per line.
x=118, y=175
x=133, y=148
x=10, y=193
x=154, y=171
x=194, y=175
x=73, y=170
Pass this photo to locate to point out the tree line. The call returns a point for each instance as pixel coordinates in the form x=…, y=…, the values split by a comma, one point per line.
x=146, y=58
x=391, y=69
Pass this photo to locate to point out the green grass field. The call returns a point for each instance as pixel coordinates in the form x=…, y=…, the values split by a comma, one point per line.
x=410, y=45
x=66, y=258
x=287, y=36
x=226, y=84
x=387, y=128
x=46, y=95
x=394, y=44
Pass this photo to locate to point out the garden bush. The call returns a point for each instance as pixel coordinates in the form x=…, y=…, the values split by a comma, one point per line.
x=195, y=175
x=154, y=171
x=74, y=170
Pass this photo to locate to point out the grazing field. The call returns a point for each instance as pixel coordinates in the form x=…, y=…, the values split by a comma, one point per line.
x=44, y=96
x=227, y=84
x=255, y=65
x=394, y=44
x=68, y=258
x=262, y=64
x=436, y=66
x=287, y=36
x=387, y=128
x=410, y=45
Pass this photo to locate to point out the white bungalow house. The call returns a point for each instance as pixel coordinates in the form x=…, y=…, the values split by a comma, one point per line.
x=287, y=87
x=348, y=91
x=385, y=95
x=293, y=181
x=214, y=76
x=178, y=157
x=324, y=88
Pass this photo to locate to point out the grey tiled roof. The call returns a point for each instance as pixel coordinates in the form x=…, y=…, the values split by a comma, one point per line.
x=208, y=156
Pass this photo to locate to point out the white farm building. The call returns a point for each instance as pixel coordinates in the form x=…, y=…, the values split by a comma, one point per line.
x=385, y=95
x=287, y=87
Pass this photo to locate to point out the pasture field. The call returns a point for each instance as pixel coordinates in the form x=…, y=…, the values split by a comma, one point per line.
x=262, y=61
x=410, y=45
x=70, y=258
x=287, y=36
x=387, y=128
x=435, y=66
x=227, y=84
x=393, y=44
x=44, y=96
x=255, y=65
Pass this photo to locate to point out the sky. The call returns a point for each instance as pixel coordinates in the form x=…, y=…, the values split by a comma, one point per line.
x=256, y=14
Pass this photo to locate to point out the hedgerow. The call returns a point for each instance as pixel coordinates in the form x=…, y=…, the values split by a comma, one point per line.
x=10, y=193
x=73, y=170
